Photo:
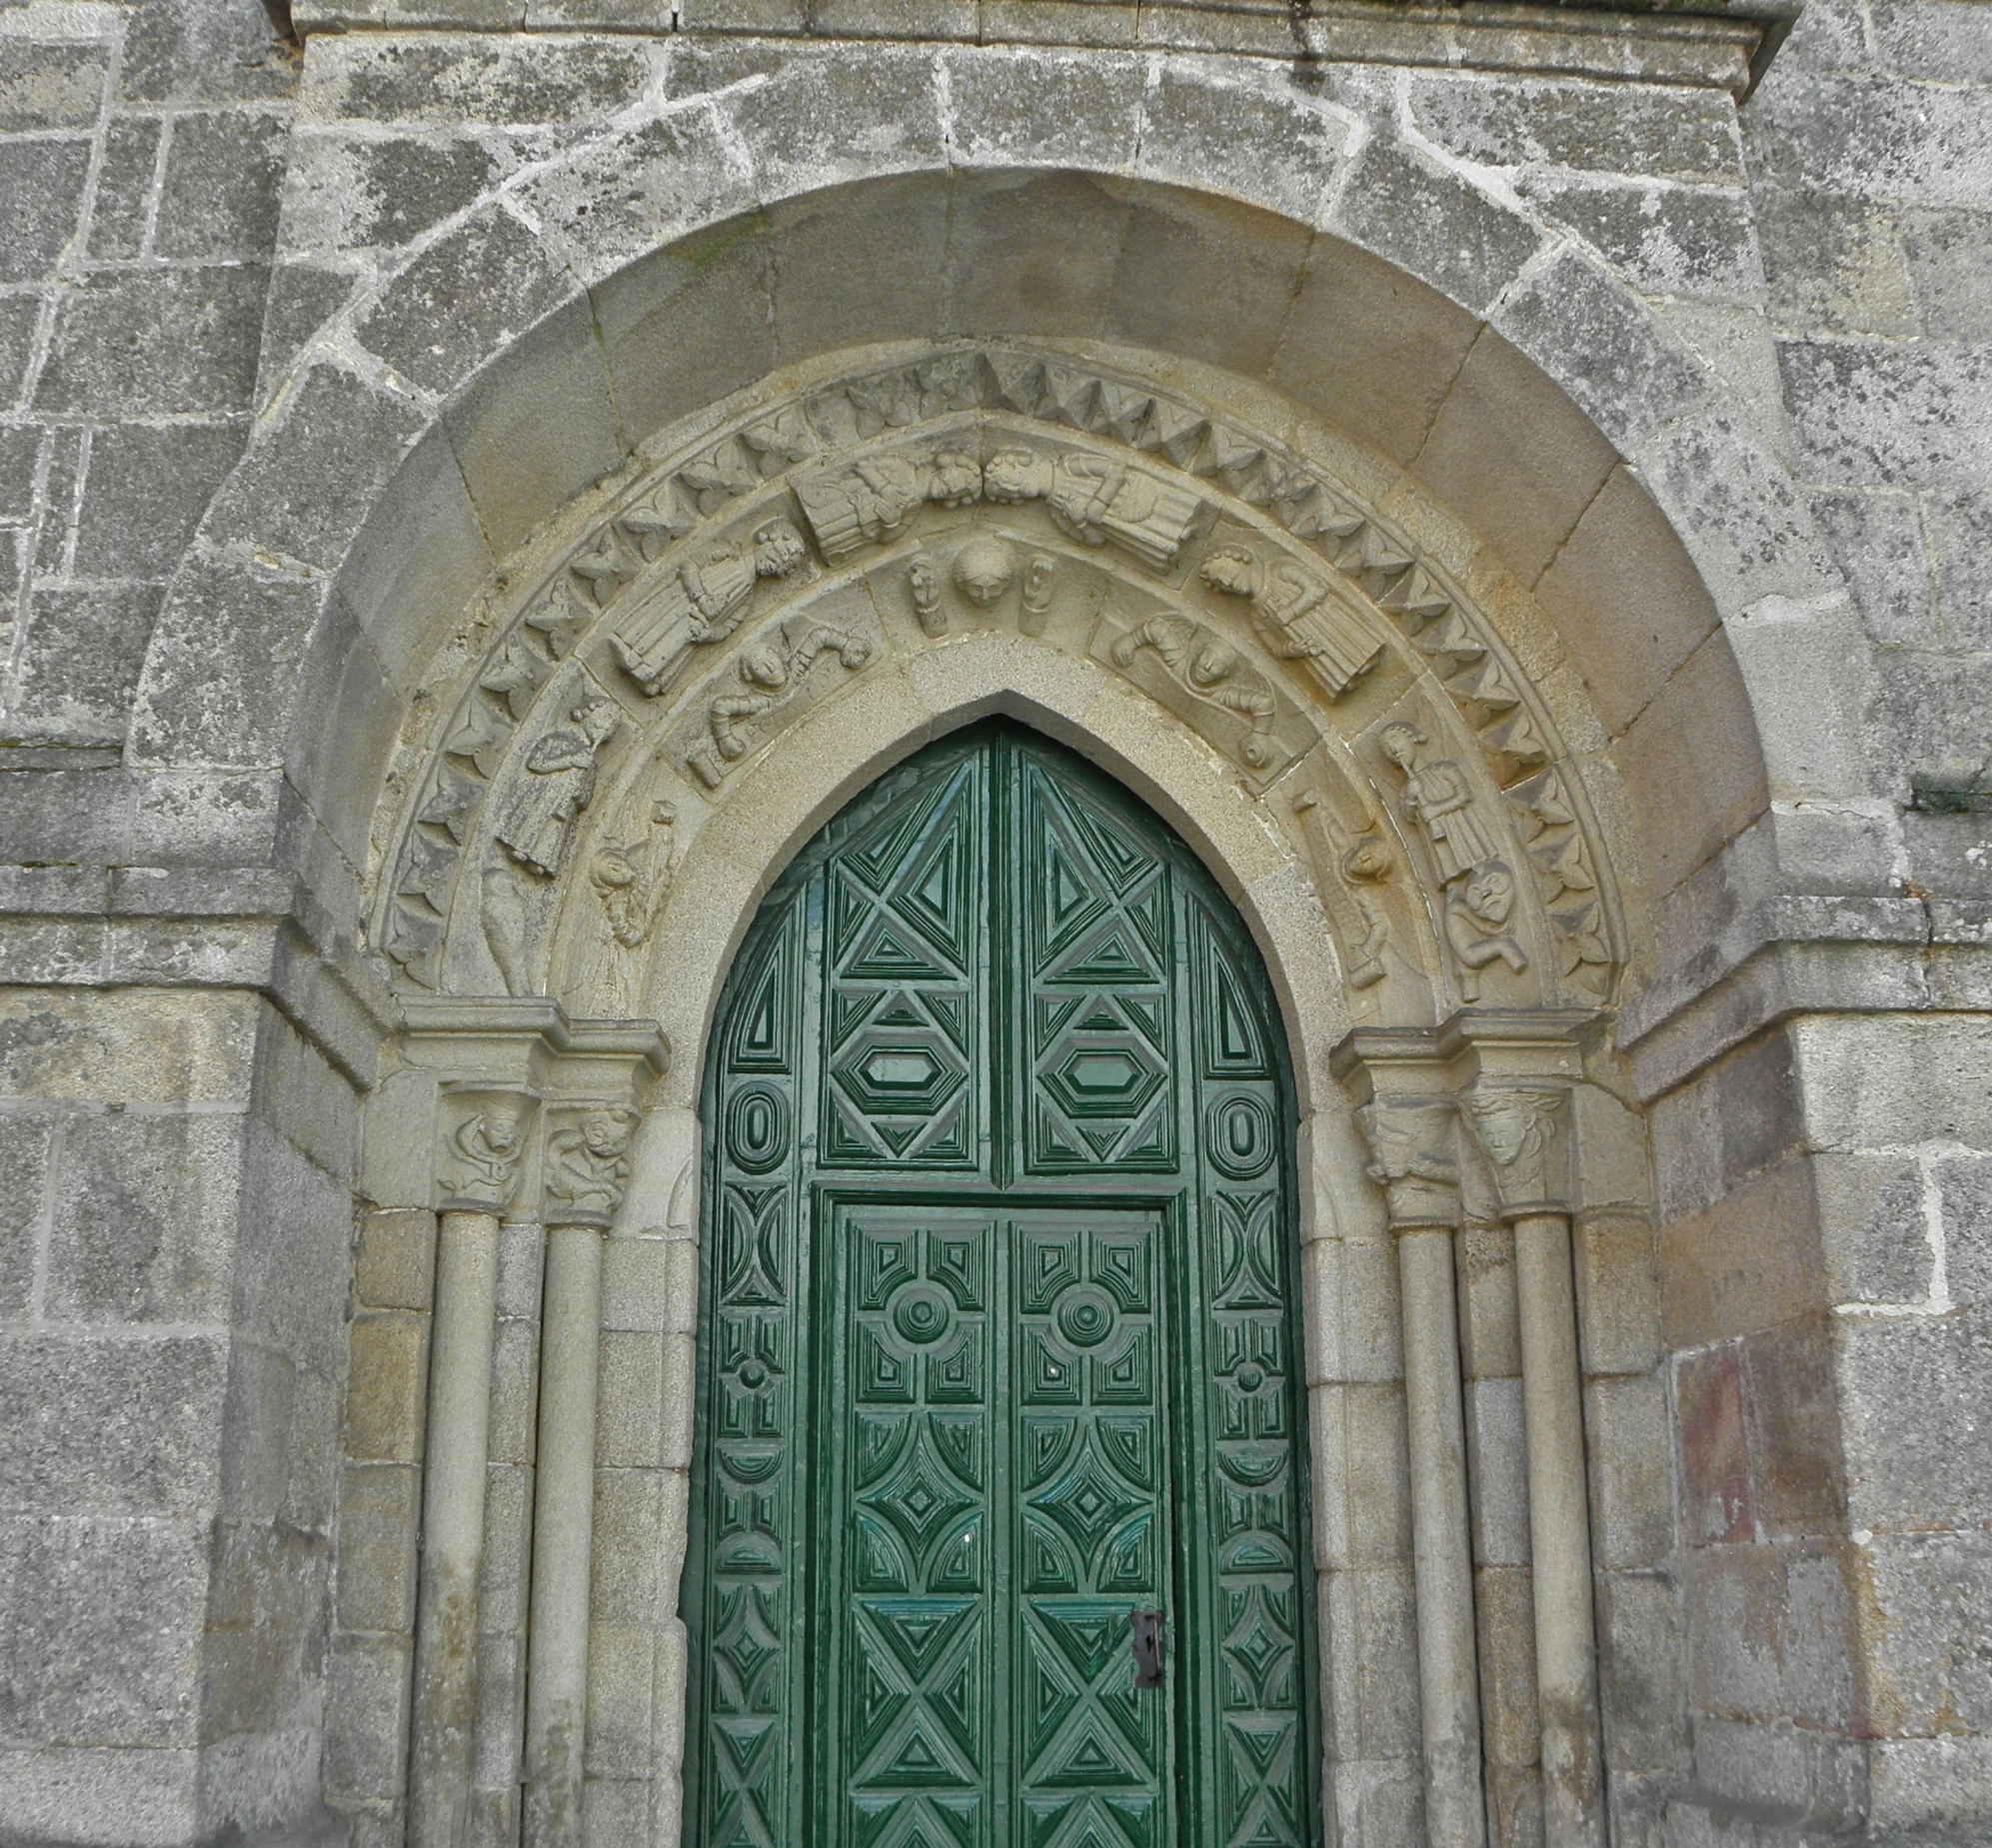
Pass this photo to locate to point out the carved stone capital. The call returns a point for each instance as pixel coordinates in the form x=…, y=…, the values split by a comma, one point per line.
x=483, y=1133
x=1524, y=1131
x=1514, y=1068
x=476, y=1086
x=587, y=1163
x=1413, y=1158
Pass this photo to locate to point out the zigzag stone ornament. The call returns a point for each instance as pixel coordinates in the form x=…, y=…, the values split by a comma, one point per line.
x=1096, y=514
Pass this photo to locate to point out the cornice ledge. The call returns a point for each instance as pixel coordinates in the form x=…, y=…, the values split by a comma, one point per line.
x=1794, y=955
x=1708, y=44
x=463, y=1025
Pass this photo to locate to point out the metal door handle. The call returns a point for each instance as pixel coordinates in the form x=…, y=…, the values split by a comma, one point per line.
x=1144, y=1637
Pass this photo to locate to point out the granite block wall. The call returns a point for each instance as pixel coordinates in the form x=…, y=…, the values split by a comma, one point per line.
x=209, y=1418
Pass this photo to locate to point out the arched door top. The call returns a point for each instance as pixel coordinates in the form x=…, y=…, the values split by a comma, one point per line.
x=1001, y=1340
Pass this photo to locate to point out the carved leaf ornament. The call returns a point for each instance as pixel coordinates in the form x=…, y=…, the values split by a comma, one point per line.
x=731, y=587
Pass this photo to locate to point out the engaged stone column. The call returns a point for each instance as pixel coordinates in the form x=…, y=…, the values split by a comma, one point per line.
x=483, y=1135
x=1519, y=1108
x=586, y=1170
x=1412, y=1125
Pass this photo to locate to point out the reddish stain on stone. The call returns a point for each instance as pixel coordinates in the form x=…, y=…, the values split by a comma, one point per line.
x=1716, y=1458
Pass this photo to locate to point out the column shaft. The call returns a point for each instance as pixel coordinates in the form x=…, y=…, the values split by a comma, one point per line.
x=453, y=1528
x=563, y=1534
x=1443, y=1554
x=1559, y=1523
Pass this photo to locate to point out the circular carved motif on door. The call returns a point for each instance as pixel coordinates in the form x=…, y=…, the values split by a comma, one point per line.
x=757, y=1129
x=1085, y=1318
x=1238, y=1136
x=921, y=1314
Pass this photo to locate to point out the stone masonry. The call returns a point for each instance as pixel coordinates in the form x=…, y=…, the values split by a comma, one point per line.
x=1669, y=333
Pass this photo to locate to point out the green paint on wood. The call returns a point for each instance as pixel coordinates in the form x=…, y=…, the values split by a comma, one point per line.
x=998, y=1342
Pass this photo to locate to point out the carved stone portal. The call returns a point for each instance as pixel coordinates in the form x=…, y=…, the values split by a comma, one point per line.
x=1127, y=533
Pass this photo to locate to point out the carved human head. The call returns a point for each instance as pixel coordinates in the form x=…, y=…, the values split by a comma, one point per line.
x=956, y=478
x=1016, y=475
x=597, y=718
x=984, y=568
x=1232, y=570
x=501, y=1126
x=1401, y=742
x=763, y=665
x=1506, y=1124
x=605, y=1134
x=778, y=549
x=1489, y=893
x=1368, y=858
x=1210, y=662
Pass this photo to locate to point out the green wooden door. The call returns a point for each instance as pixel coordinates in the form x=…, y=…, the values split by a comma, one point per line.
x=998, y=1342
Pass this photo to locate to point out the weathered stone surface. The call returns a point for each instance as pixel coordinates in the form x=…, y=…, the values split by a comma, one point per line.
x=147, y=487
x=113, y=1425
x=1433, y=223
x=39, y=186
x=100, y=1625
x=157, y=341
x=79, y=663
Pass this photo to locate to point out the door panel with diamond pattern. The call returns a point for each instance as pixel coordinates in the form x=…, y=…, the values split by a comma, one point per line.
x=997, y=1340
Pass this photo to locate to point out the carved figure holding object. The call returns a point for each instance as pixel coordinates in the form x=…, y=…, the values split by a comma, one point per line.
x=1093, y=499
x=1438, y=797
x=1479, y=887
x=1294, y=616
x=701, y=602
x=1204, y=665
x=869, y=502
x=538, y=810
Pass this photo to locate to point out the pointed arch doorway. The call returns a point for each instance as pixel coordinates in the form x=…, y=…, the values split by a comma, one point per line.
x=999, y=1368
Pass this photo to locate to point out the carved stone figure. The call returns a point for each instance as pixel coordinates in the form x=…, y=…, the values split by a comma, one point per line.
x=1477, y=885
x=1200, y=661
x=984, y=568
x=1414, y=1158
x=632, y=879
x=1440, y=799
x=482, y=1151
x=869, y=502
x=701, y=603
x=1035, y=604
x=1093, y=499
x=539, y=809
x=1519, y=1127
x=1477, y=910
x=769, y=671
x=502, y=914
x=925, y=595
x=588, y=1167
x=1294, y=614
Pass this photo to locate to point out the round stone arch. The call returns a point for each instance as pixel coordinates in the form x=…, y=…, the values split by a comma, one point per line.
x=363, y=512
